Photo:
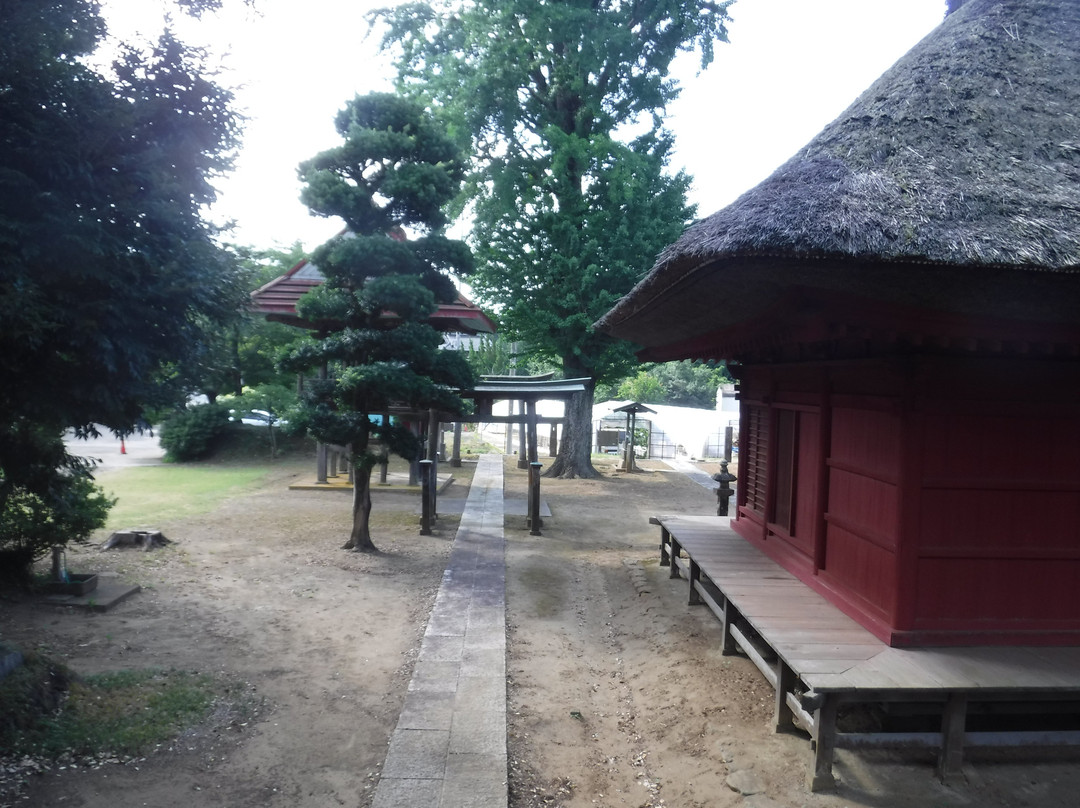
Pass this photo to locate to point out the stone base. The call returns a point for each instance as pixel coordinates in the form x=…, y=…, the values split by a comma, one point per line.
x=109, y=593
x=75, y=585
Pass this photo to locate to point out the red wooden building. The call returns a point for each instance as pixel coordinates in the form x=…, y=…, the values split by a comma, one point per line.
x=901, y=304
x=277, y=300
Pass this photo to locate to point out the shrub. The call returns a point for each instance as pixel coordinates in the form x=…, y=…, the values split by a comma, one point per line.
x=66, y=511
x=191, y=434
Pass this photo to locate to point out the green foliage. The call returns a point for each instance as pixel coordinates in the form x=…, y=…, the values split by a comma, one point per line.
x=31, y=524
x=46, y=498
x=272, y=399
x=242, y=348
x=261, y=342
x=690, y=384
x=111, y=279
x=46, y=711
x=641, y=439
x=78, y=510
x=682, y=384
x=642, y=387
x=125, y=713
x=28, y=695
x=395, y=169
x=190, y=434
x=110, y=272
x=570, y=208
x=496, y=356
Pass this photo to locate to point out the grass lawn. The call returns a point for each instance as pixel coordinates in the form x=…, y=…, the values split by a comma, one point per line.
x=148, y=494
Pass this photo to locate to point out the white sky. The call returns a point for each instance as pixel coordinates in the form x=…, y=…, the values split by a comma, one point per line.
x=790, y=68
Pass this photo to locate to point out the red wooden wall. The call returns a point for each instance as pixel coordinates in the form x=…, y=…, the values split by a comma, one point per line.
x=998, y=541
x=936, y=500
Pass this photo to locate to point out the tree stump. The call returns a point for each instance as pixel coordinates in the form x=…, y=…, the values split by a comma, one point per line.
x=146, y=538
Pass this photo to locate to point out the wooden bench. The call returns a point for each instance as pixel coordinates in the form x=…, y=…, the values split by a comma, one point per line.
x=817, y=658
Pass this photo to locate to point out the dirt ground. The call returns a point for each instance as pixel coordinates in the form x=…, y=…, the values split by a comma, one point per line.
x=618, y=694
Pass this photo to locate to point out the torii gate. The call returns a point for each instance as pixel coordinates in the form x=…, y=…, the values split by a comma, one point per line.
x=527, y=390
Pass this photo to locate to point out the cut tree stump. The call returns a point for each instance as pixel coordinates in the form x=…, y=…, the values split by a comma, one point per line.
x=146, y=538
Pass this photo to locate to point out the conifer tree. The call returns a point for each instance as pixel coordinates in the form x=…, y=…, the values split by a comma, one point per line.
x=394, y=173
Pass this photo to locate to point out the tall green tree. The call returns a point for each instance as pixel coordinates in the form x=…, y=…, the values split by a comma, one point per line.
x=562, y=104
x=108, y=272
x=682, y=384
x=395, y=170
x=495, y=355
x=242, y=350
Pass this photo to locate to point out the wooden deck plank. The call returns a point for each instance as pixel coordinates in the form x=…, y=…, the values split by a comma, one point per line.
x=904, y=673
x=835, y=650
x=784, y=611
x=831, y=667
x=810, y=633
x=773, y=605
x=848, y=681
x=1020, y=669
x=806, y=621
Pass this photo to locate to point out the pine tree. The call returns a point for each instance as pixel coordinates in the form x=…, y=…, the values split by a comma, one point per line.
x=395, y=170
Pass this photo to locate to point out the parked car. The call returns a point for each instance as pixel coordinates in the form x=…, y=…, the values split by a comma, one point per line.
x=257, y=418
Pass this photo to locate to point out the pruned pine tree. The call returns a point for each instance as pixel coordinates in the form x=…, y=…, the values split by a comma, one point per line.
x=395, y=170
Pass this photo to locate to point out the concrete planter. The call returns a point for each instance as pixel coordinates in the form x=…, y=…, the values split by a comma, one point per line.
x=77, y=585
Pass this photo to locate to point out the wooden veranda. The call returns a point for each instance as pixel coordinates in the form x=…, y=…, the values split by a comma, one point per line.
x=821, y=662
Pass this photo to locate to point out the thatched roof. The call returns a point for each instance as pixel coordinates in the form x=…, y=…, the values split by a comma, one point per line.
x=953, y=183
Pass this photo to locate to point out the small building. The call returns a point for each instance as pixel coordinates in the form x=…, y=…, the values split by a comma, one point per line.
x=277, y=301
x=900, y=303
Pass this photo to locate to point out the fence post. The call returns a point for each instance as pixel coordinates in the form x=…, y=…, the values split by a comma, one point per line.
x=534, y=499
x=425, y=497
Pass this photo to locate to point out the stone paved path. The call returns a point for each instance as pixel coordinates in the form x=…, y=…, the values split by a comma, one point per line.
x=693, y=472
x=449, y=747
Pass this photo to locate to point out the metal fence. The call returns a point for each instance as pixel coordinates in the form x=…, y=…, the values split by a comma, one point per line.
x=609, y=438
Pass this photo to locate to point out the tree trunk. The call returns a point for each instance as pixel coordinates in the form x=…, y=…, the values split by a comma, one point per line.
x=236, y=376
x=362, y=464
x=575, y=450
x=360, y=537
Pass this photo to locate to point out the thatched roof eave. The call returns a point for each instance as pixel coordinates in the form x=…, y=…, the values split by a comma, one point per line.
x=960, y=167
x=723, y=292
